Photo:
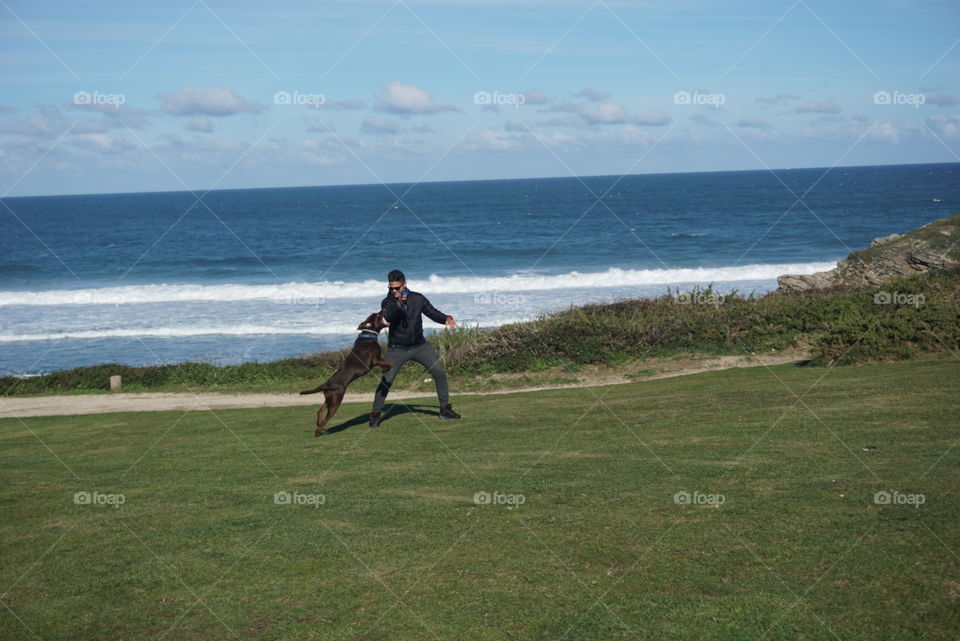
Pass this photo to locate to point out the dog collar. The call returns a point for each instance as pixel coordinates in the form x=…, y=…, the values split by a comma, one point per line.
x=372, y=334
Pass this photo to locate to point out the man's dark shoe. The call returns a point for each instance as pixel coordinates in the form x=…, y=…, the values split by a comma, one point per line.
x=446, y=411
x=374, y=419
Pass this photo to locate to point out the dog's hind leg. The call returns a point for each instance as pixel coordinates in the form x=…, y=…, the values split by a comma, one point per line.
x=333, y=404
x=320, y=410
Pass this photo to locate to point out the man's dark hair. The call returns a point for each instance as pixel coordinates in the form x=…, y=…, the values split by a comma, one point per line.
x=396, y=276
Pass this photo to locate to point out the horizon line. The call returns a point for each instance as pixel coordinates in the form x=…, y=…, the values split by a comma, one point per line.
x=474, y=180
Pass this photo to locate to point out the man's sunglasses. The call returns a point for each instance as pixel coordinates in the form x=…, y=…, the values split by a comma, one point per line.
x=392, y=289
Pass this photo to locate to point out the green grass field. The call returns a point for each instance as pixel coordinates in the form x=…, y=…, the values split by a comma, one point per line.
x=585, y=538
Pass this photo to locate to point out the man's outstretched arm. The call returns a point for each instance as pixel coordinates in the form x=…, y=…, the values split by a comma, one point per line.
x=437, y=316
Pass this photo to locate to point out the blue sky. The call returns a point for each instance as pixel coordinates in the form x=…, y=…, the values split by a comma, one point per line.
x=200, y=94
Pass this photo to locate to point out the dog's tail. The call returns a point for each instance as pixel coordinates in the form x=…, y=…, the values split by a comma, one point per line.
x=322, y=388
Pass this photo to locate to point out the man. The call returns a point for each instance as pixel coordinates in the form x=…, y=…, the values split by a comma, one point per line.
x=402, y=309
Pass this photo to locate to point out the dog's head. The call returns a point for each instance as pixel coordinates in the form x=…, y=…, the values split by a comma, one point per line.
x=374, y=322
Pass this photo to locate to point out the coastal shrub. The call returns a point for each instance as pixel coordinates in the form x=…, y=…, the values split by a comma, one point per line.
x=901, y=320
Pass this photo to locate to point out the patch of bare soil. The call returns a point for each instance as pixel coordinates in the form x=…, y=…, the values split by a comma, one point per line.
x=651, y=369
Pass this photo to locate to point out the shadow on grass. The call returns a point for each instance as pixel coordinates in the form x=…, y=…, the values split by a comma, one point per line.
x=390, y=410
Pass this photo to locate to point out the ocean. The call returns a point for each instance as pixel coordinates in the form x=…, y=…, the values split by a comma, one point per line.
x=230, y=276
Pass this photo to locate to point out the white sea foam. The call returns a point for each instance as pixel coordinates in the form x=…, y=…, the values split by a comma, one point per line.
x=322, y=291
x=190, y=331
x=181, y=331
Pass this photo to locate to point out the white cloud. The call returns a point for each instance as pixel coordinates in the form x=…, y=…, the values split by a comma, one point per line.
x=704, y=119
x=779, y=99
x=320, y=126
x=753, y=123
x=494, y=140
x=200, y=150
x=633, y=135
x=110, y=109
x=206, y=101
x=566, y=106
x=201, y=124
x=403, y=149
x=945, y=126
x=842, y=128
x=889, y=132
x=607, y=113
x=317, y=153
x=406, y=100
x=593, y=95
x=351, y=104
x=534, y=97
x=574, y=122
x=885, y=131
x=825, y=106
x=94, y=126
x=942, y=100
x=116, y=115
x=102, y=143
x=37, y=125
x=378, y=126
x=562, y=141
x=652, y=119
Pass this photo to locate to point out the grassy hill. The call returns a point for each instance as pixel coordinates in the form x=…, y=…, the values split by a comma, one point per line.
x=589, y=534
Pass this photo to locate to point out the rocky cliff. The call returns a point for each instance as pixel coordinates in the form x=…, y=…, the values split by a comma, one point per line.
x=933, y=246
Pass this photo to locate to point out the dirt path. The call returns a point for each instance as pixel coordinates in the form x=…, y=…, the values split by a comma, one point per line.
x=152, y=402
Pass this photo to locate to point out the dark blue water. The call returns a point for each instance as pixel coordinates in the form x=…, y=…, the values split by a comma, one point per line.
x=266, y=273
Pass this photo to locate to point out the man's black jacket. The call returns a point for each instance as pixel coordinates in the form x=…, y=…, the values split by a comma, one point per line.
x=406, y=326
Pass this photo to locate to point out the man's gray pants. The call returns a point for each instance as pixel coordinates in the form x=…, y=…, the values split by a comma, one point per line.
x=426, y=355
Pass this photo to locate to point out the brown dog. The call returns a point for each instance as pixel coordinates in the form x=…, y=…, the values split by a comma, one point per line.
x=362, y=358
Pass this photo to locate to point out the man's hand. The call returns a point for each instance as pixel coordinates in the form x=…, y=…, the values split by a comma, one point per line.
x=452, y=324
